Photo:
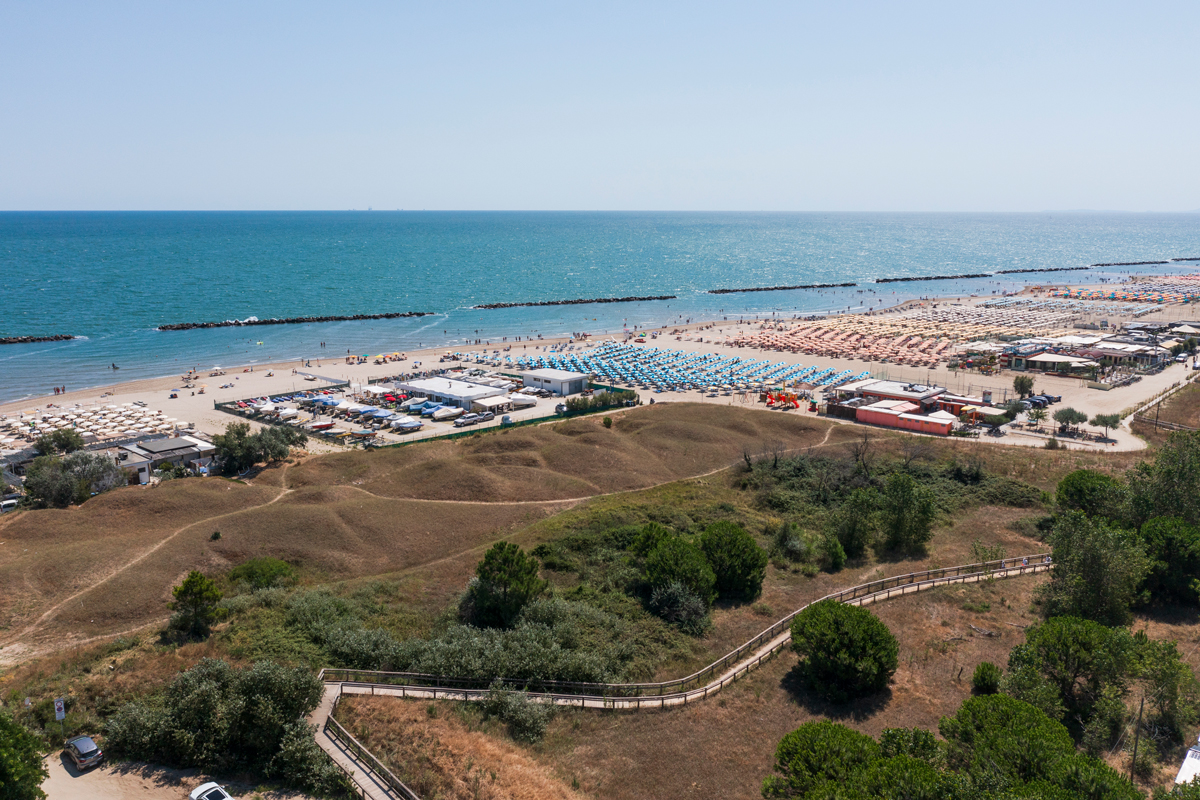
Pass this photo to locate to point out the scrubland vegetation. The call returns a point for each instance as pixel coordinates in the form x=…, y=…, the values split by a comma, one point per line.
x=653, y=583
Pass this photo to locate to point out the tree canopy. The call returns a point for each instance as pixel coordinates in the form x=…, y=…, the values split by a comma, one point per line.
x=21, y=768
x=907, y=511
x=1169, y=485
x=1091, y=492
x=1023, y=385
x=195, y=605
x=53, y=482
x=847, y=651
x=237, y=449
x=675, y=560
x=737, y=562
x=216, y=717
x=63, y=440
x=506, y=579
x=1097, y=570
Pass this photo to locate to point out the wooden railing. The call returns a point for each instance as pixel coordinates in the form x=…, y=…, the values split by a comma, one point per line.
x=364, y=758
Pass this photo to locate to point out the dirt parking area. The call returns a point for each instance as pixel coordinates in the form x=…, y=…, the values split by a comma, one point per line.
x=134, y=781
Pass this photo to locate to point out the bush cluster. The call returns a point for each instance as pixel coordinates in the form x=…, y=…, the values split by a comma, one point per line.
x=995, y=748
x=238, y=450
x=526, y=719
x=600, y=401
x=216, y=717
x=53, y=482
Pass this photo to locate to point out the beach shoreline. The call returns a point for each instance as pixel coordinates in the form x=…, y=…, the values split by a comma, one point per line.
x=703, y=336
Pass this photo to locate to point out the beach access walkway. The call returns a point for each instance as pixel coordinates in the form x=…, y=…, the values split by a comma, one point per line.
x=372, y=779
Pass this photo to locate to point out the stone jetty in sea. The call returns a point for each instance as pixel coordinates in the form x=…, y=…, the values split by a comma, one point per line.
x=580, y=302
x=61, y=337
x=782, y=288
x=237, y=323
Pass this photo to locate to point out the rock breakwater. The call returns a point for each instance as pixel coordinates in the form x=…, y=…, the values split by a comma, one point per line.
x=580, y=302
x=935, y=278
x=1129, y=263
x=1042, y=269
x=782, y=288
x=61, y=337
x=237, y=323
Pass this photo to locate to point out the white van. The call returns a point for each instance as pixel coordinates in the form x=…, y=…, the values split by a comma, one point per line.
x=7, y=505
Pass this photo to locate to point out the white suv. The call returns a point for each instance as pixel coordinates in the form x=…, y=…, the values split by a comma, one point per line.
x=210, y=791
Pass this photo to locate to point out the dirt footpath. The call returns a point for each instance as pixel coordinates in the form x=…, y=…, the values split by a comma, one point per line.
x=132, y=781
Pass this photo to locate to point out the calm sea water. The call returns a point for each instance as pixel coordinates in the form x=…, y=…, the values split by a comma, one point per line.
x=114, y=277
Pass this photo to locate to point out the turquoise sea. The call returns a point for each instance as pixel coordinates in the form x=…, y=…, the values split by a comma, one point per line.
x=111, y=278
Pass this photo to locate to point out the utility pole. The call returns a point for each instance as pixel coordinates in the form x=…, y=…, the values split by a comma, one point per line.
x=1137, y=735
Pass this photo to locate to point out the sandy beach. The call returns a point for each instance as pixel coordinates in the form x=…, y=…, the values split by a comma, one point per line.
x=197, y=408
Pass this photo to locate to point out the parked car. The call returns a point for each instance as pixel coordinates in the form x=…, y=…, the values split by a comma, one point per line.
x=486, y=416
x=465, y=420
x=84, y=752
x=7, y=505
x=210, y=791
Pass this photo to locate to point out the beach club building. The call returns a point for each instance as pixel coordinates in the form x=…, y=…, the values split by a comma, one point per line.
x=557, y=381
x=907, y=406
x=449, y=391
x=140, y=459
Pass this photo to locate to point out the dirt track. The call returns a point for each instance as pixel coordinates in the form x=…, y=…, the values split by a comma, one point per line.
x=133, y=782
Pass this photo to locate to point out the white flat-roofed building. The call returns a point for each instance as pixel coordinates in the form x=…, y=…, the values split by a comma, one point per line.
x=558, y=381
x=1190, y=769
x=448, y=391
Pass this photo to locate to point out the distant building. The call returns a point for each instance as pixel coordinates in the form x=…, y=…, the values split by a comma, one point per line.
x=141, y=459
x=448, y=391
x=557, y=381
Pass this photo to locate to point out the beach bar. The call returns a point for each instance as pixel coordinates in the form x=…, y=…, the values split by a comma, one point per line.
x=448, y=391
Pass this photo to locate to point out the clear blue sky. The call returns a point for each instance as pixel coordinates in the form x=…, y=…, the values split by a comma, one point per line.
x=895, y=106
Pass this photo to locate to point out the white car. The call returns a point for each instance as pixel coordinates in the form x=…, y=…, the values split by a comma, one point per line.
x=210, y=791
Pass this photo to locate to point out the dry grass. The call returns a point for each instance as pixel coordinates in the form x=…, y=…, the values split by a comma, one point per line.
x=441, y=752
x=570, y=459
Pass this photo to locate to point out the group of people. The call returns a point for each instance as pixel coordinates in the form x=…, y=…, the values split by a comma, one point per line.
x=60, y=390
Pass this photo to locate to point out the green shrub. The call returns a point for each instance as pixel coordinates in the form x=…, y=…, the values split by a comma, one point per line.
x=788, y=543
x=848, y=652
x=195, y=605
x=263, y=572
x=816, y=752
x=526, y=719
x=986, y=678
x=913, y=742
x=649, y=537
x=835, y=556
x=1091, y=492
x=680, y=606
x=737, y=561
x=854, y=524
x=676, y=561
